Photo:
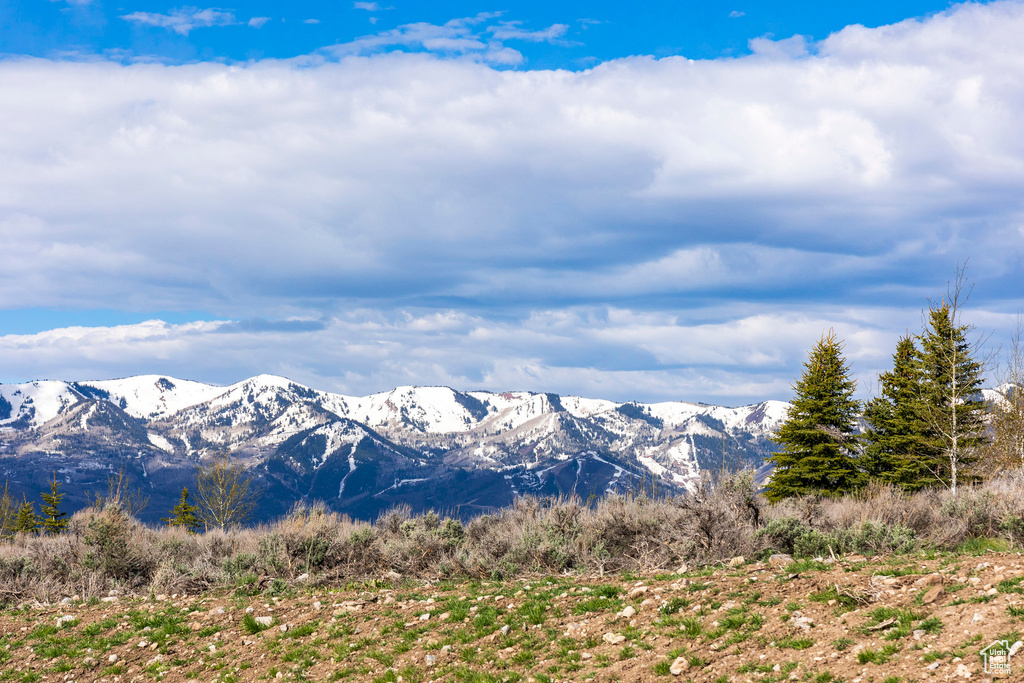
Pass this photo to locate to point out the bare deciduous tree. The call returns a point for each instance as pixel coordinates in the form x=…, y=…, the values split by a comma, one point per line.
x=226, y=493
x=1007, y=417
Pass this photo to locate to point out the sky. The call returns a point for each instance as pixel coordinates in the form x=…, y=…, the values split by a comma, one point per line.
x=670, y=201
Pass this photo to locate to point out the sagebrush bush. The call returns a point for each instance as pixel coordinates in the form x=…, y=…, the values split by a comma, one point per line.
x=108, y=550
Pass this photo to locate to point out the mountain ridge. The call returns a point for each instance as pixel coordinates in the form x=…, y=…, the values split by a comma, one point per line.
x=422, y=446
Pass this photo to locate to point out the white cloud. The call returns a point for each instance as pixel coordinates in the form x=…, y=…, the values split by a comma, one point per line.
x=258, y=22
x=736, y=14
x=310, y=21
x=184, y=19
x=854, y=170
x=567, y=351
x=368, y=6
x=512, y=30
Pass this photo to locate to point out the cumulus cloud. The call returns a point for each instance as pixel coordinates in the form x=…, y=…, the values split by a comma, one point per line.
x=405, y=172
x=258, y=22
x=184, y=19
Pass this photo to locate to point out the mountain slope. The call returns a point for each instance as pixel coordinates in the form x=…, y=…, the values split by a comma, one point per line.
x=423, y=446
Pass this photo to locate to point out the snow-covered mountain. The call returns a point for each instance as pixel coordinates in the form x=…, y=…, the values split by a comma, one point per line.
x=424, y=446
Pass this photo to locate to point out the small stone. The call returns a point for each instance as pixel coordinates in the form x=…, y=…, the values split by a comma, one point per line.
x=934, y=665
x=109, y=598
x=679, y=666
x=392, y=576
x=613, y=638
x=66, y=619
x=804, y=623
x=780, y=561
x=933, y=594
x=639, y=590
x=284, y=628
x=445, y=615
x=212, y=648
x=90, y=661
x=628, y=612
x=266, y=622
x=142, y=644
x=930, y=580
x=425, y=616
x=430, y=660
x=279, y=675
x=963, y=672
x=682, y=569
x=586, y=655
x=505, y=630
x=977, y=617
x=737, y=561
x=112, y=658
x=919, y=634
x=1015, y=647
x=161, y=597
x=302, y=577
x=317, y=604
x=66, y=601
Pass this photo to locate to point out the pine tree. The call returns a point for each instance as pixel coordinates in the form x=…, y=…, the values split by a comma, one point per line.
x=184, y=515
x=817, y=439
x=26, y=520
x=951, y=408
x=896, y=438
x=54, y=521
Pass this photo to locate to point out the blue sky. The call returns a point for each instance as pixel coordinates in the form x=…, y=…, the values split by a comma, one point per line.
x=666, y=202
x=585, y=32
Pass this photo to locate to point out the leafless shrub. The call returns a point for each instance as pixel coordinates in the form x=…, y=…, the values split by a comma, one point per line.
x=107, y=550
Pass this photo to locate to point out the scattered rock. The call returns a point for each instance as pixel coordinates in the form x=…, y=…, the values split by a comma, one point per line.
x=977, y=618
x=682, y=569
x=919, y=634
x=112, y=659
x=679, y=666
x=804, y=623
x=425, y=616
x=392, y=576
x=1015, y=647
x=445, y=615
x=430, y=660
x=780, y=561
x=930, y=580
x=266, y=622
x=963, y=672
x=613, y=638
x=505, y=630
x=628, y=612
x=284, y=628
x=639, y=590
x=933, y=594
x=737, y=561
x=66, y=619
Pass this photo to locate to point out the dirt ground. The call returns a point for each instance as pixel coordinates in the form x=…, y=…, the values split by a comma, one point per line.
x=907, y=618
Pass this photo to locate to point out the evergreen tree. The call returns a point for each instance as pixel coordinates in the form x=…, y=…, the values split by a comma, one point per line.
x=952, y=409
x=184, y=515
x=817, y=437
x=896, y=438
x=54, y=521
x=26, y=520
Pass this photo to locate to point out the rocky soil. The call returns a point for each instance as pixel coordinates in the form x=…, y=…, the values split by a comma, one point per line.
x=906, y=618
